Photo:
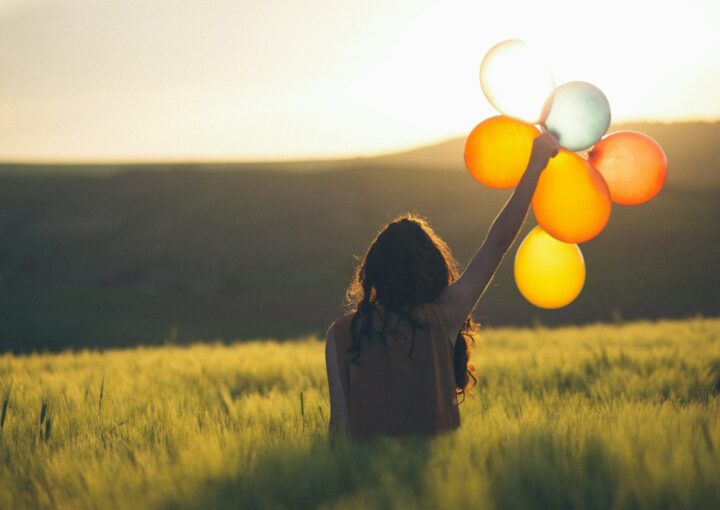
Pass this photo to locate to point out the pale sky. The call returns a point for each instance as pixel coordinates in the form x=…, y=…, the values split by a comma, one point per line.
x=271, y=79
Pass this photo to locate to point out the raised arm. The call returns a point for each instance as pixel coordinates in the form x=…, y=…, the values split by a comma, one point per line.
x=459, y=298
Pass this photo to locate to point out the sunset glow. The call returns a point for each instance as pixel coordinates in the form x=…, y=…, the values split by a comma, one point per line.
x=86, y=80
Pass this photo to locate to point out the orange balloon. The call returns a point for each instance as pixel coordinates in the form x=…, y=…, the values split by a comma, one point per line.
x=548, y=272
x=633, y=165
x=572, y=201
x=498, y=150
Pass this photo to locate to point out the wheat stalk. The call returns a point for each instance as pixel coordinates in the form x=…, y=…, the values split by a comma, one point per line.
x=3, y=411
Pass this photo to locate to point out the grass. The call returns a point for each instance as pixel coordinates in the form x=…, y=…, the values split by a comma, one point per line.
x=603, y=416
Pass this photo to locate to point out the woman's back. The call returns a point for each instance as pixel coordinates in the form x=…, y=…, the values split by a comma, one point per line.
x=399, y=387
x=396, y=387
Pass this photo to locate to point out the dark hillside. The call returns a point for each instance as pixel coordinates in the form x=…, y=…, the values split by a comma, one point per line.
x=145, y=254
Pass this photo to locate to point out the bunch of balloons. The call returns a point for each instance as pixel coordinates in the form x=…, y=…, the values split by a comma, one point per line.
x=572, y=201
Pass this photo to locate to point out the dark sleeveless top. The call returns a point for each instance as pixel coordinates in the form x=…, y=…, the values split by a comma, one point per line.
x=389, y=393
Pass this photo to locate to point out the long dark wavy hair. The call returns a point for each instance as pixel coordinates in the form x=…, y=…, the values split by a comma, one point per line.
x=407, y=264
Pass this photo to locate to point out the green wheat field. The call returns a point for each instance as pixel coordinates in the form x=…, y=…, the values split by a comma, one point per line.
x=602, y=416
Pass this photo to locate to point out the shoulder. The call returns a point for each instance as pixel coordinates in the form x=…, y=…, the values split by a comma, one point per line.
x=336, y=329
x=330, y=333
x=337, y=340
x=330, y=340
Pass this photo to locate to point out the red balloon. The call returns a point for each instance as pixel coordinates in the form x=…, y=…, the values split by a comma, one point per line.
x=633, y=165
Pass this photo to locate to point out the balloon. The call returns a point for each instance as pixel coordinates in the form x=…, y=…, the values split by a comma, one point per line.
x=579, y=116
x=571, y=201
x=498, y=150
x=633, y=165
x=548, y=272
x=517, y=81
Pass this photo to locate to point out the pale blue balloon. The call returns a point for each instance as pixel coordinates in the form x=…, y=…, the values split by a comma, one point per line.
x=580, y=115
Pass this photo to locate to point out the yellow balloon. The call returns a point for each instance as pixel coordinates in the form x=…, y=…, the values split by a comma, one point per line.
x=498, y=150
x=549, y=273
x=572, y=200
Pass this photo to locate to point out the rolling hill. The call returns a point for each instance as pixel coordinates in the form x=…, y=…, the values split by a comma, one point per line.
x=107, y=255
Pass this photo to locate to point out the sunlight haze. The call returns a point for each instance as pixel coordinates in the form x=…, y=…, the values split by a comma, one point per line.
x=177, y=80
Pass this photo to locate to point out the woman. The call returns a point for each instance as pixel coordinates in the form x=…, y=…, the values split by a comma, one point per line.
x=398, y=361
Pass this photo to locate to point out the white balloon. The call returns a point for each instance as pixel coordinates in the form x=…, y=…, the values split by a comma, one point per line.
x=517, y=81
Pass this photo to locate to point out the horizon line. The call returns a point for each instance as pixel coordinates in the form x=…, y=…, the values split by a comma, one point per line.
x=307, y=159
